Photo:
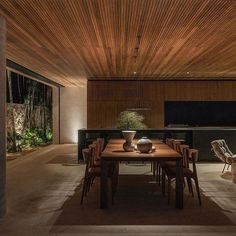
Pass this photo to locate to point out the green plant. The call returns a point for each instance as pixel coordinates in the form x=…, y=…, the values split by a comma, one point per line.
x=49, y=135
x=130, y=120
x=32, y=137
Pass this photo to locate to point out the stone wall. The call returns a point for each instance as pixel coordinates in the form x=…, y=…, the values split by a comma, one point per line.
x=17, y=113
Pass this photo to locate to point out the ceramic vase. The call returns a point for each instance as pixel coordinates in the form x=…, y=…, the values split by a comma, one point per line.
x=144, y=145
x=128, y=136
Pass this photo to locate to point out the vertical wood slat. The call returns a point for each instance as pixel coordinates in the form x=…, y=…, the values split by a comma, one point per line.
x=2, y=118
x=104, y=108
x=69, y=41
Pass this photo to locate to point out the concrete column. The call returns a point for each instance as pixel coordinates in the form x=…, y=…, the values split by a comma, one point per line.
x=73, y=113
x=2, y=118
x=55, y=115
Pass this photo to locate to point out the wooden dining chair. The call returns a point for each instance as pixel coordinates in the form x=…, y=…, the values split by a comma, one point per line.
x=87, y=156
x=101, y=144
x=169, y=142
x=93, y=171
x=176, y=145
x=189, y=174
x=96, y=153
x=156, y=166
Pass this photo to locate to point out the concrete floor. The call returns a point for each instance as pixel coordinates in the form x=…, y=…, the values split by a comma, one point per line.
x=39, y=183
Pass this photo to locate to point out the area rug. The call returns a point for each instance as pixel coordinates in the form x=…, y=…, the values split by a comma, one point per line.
x=227, y=175
x=66, y=159
x=139, y=202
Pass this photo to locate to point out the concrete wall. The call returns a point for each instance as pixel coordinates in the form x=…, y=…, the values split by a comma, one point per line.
x=2, y=118
x=73, y=113
x=55, y=115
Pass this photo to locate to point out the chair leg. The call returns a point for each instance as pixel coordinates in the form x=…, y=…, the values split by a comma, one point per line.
x=83, y=190
x=114, y=183
x=198, y=191
x=163, y=182
x=228, y=166
x=92, y=180
x=169, y=190
x=224, y=168
x=154, y=168
x=190, y=187
x=159, y=174
x=112, y=192
x=89, y=184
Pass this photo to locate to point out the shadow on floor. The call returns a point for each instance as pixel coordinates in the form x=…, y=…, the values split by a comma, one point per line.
x=227, y=175
x=139, y=202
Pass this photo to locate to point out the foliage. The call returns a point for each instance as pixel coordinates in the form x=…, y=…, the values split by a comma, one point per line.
x=14, y=142
x=29, y=138
x=29, y=113
x=32, y=137
x=130, y=120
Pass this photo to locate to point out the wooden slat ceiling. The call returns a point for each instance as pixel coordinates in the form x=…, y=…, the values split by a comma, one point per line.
x=71, y=40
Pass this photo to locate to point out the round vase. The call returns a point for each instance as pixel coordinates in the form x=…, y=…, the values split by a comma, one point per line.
x=129, y=136
x=144, y=145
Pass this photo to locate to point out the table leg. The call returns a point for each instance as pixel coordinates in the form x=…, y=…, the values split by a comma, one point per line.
x=104, y=185
x=179, y=184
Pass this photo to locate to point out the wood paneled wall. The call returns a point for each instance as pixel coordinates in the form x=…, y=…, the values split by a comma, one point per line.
x=106, y=99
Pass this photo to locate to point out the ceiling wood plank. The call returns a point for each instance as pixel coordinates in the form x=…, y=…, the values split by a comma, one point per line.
x=69, y=41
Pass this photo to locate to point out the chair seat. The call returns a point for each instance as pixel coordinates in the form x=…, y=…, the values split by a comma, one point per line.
x=95, y=171
x=97, y=163
x=232, y=159
x=168, y=164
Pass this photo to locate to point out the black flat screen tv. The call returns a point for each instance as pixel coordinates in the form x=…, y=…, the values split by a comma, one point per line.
x=199, y=113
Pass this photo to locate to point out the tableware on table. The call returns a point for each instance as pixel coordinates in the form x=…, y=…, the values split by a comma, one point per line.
x=144, y=145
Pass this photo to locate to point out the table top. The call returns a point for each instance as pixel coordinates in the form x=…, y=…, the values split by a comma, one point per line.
x=114, y=151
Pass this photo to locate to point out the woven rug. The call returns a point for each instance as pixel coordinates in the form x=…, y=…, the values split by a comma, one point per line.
x=139, y=202
x=66, y=159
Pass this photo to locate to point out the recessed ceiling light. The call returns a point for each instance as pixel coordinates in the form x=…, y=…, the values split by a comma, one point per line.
x=188, y=72
x=135, y=72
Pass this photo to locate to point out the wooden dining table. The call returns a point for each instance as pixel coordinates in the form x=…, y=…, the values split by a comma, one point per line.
x=114, y=152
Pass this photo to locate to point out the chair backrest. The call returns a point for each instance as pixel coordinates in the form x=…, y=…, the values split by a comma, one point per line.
x=176, y=145
x=97, y=150
x=185, y=157
x=182, y=147
x=193, y=156
x=221, y=149
x=169, y=142
x=93, y=150
x=87, y=155
x=190, y=154
x=101, y=144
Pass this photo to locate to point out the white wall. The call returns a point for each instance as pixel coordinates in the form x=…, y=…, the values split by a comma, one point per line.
x=73, y=113
x=55, y=115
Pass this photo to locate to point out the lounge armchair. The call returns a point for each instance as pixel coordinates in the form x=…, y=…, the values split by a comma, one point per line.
x=223, y=152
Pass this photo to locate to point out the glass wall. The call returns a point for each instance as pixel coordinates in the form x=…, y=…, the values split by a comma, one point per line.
x=29, y=113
